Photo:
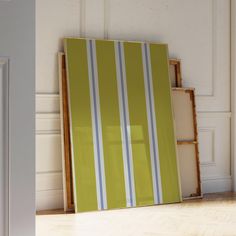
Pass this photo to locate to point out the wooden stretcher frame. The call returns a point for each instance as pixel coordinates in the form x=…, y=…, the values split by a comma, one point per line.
x=65, y=130
x=194, y=190
x=191, y=92
x=176, y=63
x=65, y=136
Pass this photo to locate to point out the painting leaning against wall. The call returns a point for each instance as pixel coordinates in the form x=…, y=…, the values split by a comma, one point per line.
x=122, y=133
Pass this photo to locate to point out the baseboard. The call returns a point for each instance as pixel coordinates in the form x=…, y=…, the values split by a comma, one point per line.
x=217, y=184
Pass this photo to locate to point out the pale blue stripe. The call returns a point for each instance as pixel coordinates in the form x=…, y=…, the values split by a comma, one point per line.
x=96, y=124
x=147, y=64
x=125, y=123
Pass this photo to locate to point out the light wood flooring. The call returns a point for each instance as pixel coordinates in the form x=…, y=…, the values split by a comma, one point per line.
x=214, y=215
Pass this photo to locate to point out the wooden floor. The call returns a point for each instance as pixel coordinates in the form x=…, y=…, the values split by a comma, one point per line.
x=214, y=215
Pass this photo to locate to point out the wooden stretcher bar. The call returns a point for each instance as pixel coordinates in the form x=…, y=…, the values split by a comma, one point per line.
x=193, y=140
x=65, y=137
x=175, y=72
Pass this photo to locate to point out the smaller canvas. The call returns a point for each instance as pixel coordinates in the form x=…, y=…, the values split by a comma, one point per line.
x=187, y=139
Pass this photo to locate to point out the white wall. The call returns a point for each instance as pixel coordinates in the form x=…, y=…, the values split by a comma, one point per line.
x=55, y=19
x=198, y=32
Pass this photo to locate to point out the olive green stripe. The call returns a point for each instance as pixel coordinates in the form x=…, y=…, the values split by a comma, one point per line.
x=138, y=124
x=110, y=119
x=164, y=123
x=82, y=135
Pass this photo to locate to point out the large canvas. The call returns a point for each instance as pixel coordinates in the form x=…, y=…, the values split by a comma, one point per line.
x=123, y=141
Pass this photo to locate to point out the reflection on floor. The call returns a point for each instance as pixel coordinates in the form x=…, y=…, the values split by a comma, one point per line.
x=215, y=214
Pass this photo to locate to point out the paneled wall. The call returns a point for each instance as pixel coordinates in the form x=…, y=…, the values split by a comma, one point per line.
x=198, y=32
x=55, y=19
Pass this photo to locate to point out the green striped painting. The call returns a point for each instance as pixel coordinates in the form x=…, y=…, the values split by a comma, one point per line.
x=123, y=142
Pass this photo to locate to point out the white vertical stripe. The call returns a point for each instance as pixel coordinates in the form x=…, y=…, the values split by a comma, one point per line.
x=98, y=187
x=124, y=150
x=103, y=174
x=95, y=141
x=151, y=141
x=128, y=125
x=154, y=152
x=154, y=125
x=125, y=125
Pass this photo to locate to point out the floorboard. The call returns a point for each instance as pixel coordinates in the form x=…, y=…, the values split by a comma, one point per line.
x=214, y=215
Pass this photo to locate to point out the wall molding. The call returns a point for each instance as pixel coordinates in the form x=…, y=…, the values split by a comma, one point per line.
x=49, y=181
x=219, y=33
x=48, y=123
x=50, y=103
x=219, y=72
x=216, y=114
x=47, y=103
x=214, y=146
x=211, y=131
x=213, y=35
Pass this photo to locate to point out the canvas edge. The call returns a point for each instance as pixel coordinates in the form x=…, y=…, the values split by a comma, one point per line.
x=174, y=125
x=70, y=128
x=60, y=55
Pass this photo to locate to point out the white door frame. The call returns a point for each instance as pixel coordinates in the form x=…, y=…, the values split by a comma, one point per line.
x=4, y=152
x=17, y=69
x=233, y=92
